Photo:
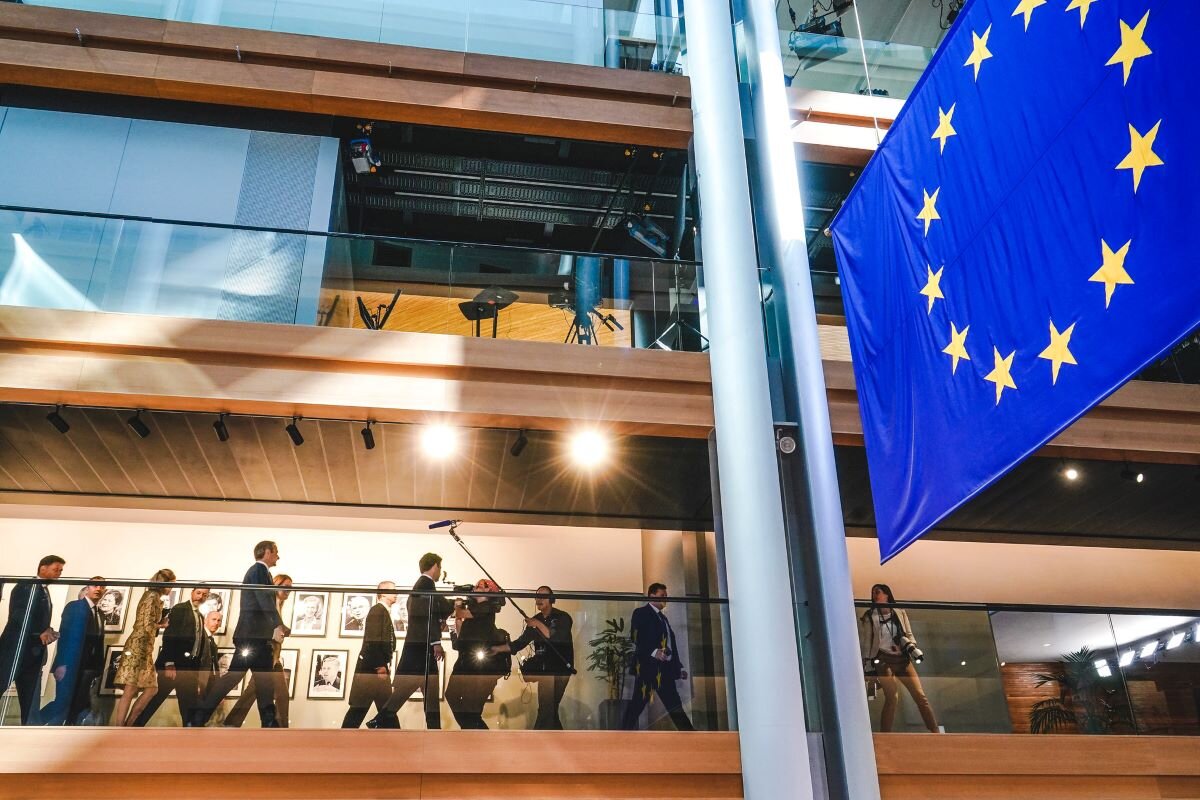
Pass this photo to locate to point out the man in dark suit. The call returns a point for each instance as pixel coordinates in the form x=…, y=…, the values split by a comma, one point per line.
x=178, y=661
x=208, y=663
x=418, y=664
x=656, y=663
x=79, y=659
x=258, y=626
x=27, y=635
x=372, y=673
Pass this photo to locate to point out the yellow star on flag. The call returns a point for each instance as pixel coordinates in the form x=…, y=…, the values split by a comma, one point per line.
x=1112, y=270
x=1057, y=353
x=1083, y=6
x=958, y=346
x=1132, y=46
x=979, y=50
x=1001, y=374
x=929, y=209
x=1026, y=7
x=1141, y=153
x=944, y=129
x=932, y=288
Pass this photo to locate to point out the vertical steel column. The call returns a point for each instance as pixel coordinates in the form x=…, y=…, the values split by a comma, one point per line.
x=770, y=703
x=823, y=540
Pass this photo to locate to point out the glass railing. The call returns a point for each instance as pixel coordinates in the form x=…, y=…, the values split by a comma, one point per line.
x=836, y=64
x=52, y=259
x=171, y=654
x=1033, y=669
x=562, y=32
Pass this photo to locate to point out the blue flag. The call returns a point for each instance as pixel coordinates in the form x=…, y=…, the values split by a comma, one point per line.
x=1026, y=240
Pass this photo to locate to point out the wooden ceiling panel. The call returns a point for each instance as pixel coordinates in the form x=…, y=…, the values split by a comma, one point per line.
x=46, y=453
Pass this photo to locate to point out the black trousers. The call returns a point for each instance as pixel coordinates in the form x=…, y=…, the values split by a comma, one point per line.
x=28, y=680
x=187, y=692
x=550, y=691
x=81, y=698
x=251, y=655
x=416, y=670
x=466, y=693
x=644, y=690
x=368, y=688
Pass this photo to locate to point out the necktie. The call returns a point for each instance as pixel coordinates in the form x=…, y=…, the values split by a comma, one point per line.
x=199, y=626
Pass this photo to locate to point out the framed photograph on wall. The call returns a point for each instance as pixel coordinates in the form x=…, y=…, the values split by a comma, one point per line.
x=112, y=662
x=399, y=612
x=310, y=612
x=114, y=606
x=291, y=660
x=218, y=600
x=224, y=659
x=327, y=675
x=354, y=614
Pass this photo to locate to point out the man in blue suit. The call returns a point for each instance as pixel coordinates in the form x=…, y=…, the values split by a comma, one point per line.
x=656, y=663
x=27, y=635
x=258, y=626
x=80, y=657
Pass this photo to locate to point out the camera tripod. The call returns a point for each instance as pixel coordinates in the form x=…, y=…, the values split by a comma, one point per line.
x=585, y=332
x=678, y=324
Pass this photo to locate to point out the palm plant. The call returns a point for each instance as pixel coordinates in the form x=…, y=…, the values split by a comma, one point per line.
x=610, y=656
x=1085, y=699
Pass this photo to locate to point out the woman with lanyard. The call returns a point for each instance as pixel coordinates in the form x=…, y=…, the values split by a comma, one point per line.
x=889, y=651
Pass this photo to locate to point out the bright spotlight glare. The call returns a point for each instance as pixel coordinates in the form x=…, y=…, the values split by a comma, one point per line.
x=1072, y=474
x=1175, y=640
x=588, y=448
x=1102, y=668
x=481, y=655
x=1126, y=659
x=439, y=441
x=1149, y=649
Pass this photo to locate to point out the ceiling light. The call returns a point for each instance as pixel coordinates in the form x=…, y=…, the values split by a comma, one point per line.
x=221, y=429
x=293, y=431
x=1148, y=649
x=138, y=426
x=1175, y=640
x=1068, y=471
x=588, y=448
x=1045, y=644
x=439, y=441
x=1126, y=659
x=1128, y=474
x=519, y=445
x=963, y=664
x=368, y=435
x=1102, y=668
x=56, y=419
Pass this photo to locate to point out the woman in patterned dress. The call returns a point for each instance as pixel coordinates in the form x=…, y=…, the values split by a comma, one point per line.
x=136, y=674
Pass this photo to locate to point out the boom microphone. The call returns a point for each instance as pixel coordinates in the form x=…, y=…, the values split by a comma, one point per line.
x=446, y=523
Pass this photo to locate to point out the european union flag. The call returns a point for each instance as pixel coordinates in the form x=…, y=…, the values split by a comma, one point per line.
x=1022, y=244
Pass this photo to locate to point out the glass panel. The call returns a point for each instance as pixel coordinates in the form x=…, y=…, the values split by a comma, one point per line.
x=347, y=656
x=345, y=19
x=417, y=23
x=1159, y=659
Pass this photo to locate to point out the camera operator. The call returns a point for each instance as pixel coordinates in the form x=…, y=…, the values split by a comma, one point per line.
x=418, y=664
x=889, y=652
x=477, y=668
x=552, y=663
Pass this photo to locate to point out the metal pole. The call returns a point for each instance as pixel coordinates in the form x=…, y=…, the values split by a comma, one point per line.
x=823, y=539
x=770, y=703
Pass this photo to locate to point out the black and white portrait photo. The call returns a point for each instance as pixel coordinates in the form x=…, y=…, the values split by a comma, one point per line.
x=399, y=611
x=309, y=614
x=218, y=600
x=354, y=613
x=113, y=606
x=290, y=660
x=327, y=676
x=112, y=661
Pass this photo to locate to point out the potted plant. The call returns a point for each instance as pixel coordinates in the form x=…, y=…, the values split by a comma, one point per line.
x=1085, y=699
x=609, y=657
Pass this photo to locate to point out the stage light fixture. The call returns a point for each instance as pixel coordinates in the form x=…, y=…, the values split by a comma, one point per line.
x=1128, y=474
x=221, y=429
x=293, y=431
x=588, y=448
x=1068, y=472
x=1175, y=640
x=439, y=441
x=368, y=435
x=1102, y=668
x=1126, y=659
x=56, y=419
x=519, y=445
x=138, y=426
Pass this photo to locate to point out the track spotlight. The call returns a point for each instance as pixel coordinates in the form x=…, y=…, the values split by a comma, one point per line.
x=439, y=441
x=519, y=445
x=221, y=429
x=588, y=448
x=1067, y=471
x=368, y=435
x=138, y=426
x=1128, y=474
x=294, y=432
x=56, y=419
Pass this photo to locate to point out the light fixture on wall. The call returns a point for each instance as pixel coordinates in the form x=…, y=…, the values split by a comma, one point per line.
x=439, y=441
x=138, y=426
x=588, y=448
x=221, y=429
x=519, y=445
x=368, y=435
x=55, y=418
x=293, y=431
